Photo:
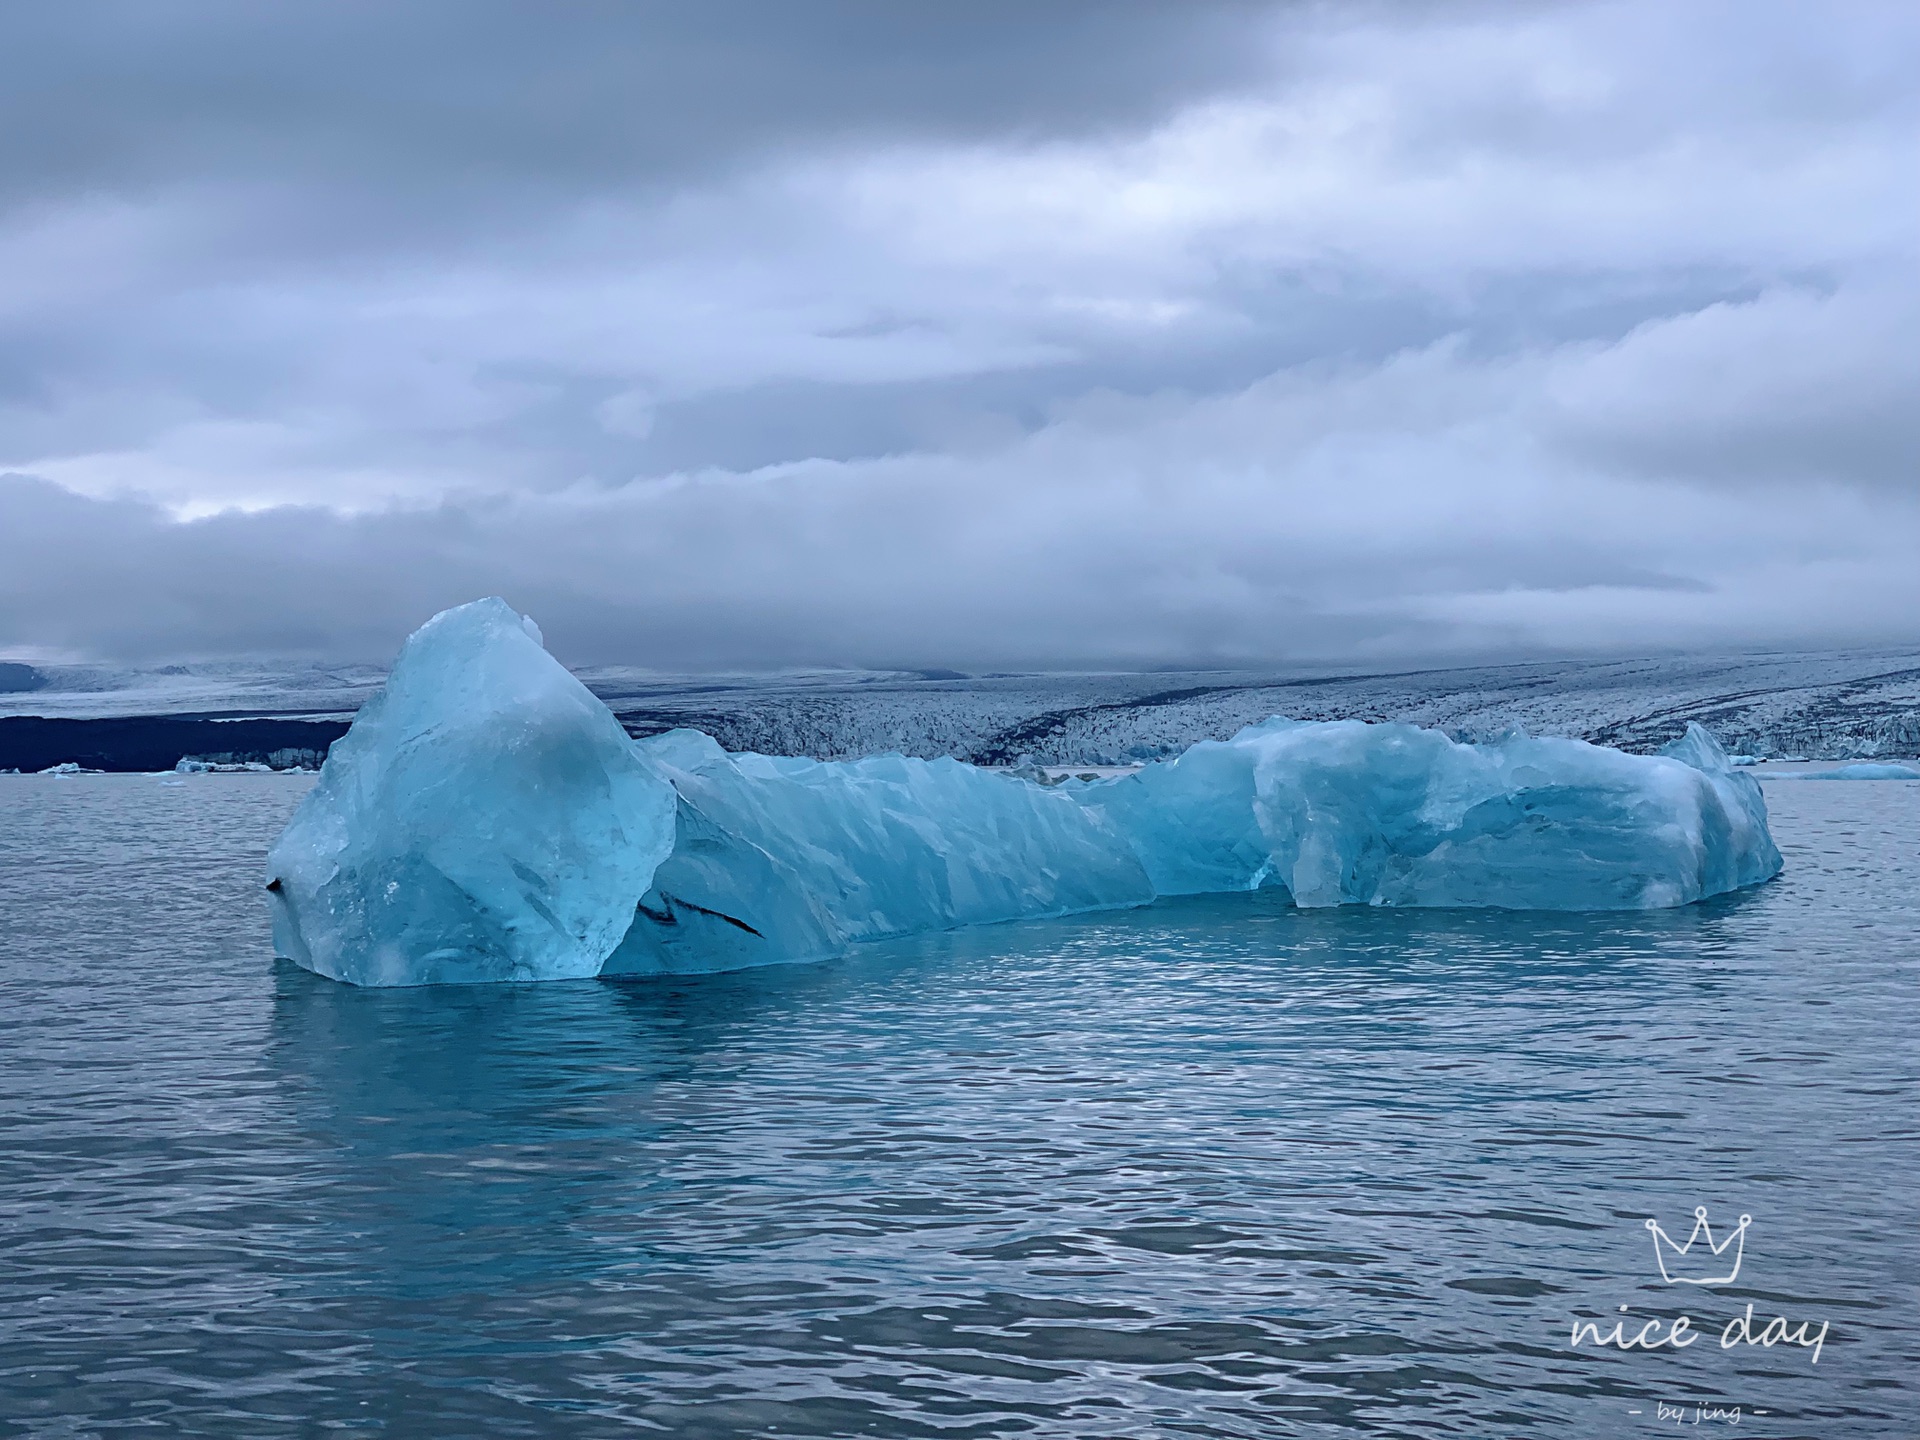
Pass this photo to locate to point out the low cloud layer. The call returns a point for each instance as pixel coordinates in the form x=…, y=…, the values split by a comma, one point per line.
x=1126, y=335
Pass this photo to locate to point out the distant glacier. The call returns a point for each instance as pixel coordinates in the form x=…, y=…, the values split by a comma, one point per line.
x=1853, y=705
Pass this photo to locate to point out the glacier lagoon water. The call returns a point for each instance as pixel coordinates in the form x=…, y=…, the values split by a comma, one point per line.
x=1213, y=1168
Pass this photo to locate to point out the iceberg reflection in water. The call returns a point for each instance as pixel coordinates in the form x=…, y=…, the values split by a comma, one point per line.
x=487, y=819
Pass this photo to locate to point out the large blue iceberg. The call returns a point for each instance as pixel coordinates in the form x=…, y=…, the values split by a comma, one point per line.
x=487, y=819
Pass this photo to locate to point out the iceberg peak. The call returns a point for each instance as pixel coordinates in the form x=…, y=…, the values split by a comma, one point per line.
x=486, y=818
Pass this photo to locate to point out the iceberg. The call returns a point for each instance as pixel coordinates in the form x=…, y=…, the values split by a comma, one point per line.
x=487, y=819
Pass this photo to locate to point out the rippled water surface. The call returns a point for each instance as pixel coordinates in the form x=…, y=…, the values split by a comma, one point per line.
x=1213, y=1169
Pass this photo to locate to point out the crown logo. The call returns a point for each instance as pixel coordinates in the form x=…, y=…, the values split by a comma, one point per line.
x=1709, y=1265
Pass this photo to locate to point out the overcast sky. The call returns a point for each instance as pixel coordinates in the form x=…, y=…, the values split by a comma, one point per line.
x=1079, y=333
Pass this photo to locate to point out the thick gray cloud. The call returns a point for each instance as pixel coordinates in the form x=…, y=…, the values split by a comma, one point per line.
x=1080, y=333
x=482, y=103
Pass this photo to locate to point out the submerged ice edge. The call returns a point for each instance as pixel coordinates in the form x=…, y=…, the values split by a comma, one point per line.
x=487, y=819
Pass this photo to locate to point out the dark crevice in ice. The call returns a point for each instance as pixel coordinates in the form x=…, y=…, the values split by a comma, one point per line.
x=665, y=914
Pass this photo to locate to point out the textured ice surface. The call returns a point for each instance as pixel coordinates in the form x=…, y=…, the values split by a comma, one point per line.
x=1344, y=812
x=782, y=859
x=485, y=819
x=488, y=819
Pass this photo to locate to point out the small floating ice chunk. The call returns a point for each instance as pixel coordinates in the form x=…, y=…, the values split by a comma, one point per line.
x=1865, y=771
